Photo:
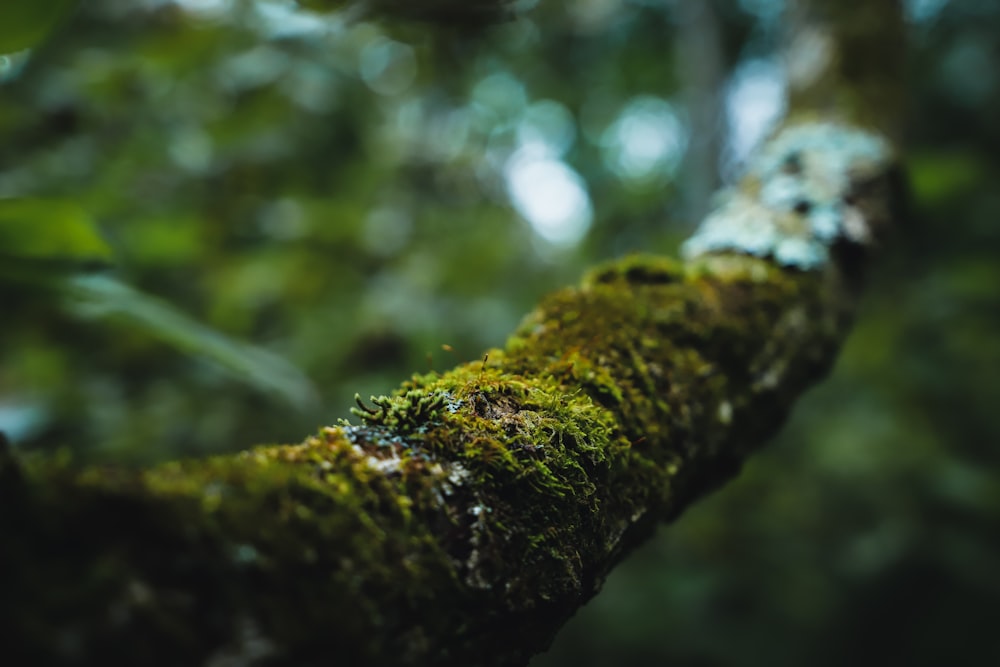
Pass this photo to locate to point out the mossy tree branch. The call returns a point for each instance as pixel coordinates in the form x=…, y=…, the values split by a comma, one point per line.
x=467, y=516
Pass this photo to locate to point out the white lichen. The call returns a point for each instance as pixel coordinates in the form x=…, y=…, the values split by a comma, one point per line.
x=390, y=466
x=476, y=510
x=798, y=197
x=458, y=474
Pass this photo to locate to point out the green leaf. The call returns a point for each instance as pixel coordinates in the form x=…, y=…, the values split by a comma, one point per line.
x=96, y=295
x=25, y=23
x=50, y=244
x=57, y=232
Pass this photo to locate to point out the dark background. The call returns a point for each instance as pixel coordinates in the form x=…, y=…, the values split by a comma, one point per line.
x=345, y=195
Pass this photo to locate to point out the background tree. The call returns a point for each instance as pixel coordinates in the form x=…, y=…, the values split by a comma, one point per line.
x=215, y=143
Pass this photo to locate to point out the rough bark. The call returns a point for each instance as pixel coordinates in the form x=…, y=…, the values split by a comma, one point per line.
x=463, y=519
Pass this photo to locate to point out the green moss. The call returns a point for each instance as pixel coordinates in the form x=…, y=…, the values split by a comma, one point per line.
x=497, y=495
x=637, y=270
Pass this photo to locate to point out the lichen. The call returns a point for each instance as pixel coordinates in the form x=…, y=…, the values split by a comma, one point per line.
x=802, y=194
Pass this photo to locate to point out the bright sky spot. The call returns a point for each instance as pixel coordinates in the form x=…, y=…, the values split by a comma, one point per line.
x=646, y=141
x=549, y=195
x=387, y=66
x=755, y=100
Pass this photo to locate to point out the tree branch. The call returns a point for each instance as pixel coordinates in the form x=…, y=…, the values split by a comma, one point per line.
x=467, y=516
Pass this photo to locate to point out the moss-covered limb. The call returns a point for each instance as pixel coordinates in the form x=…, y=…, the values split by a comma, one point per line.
x=462, y=521
x=468, y=515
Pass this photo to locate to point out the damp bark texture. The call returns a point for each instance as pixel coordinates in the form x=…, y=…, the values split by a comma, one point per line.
x=463, y=519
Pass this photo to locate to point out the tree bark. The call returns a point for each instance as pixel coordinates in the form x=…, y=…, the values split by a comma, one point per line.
x=463, y=519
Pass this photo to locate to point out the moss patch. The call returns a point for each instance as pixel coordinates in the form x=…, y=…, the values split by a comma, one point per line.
x=467, y=508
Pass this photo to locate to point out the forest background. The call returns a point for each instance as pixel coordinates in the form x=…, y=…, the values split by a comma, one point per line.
x=363, y=199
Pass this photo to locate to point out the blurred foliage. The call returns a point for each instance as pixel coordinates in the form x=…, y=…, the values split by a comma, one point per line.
x=51, y=248
x=331, y=190
x=337, y=192
x=49, y=231
x=24, y=23
x=464, y=13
